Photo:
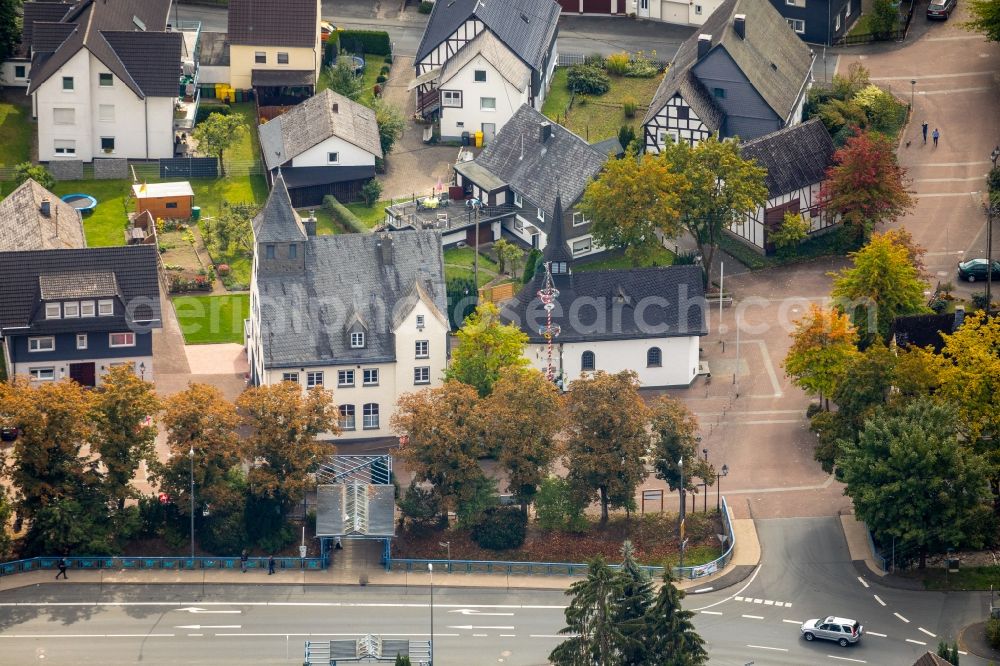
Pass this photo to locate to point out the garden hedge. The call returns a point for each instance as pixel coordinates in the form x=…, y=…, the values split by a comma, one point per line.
x=369, y=41
x=340, y=213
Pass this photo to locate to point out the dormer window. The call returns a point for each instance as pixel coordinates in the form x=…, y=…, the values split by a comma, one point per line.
x=541, y=215
x=517, y=200
x=357, y=340
x=53, y=311
x=71, y=310
x=105, y=308
x=86, y=308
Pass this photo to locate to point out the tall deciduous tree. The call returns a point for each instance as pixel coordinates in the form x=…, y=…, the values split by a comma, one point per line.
x=632, y=200
x=485, y=346
x=518, y=423
x=866, y=184
x=217, y=134
x=670, y=636
x=36, y=172
x=441, y=448
x=282, y=446
x=344, y=81
x=592, y=618
x=985, y=19
x=10, y=27
x=675, y=439
x=607, y=438
x=882, y=284
x=390, y=125
x=123, y=430
x=911, y=478
x=823, y=344
x=508, y=255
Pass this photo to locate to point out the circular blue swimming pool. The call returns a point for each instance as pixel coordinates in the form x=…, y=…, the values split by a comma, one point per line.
x=82, y=202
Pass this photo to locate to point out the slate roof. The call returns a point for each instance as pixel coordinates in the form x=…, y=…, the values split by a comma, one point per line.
x=609, y=147
x=314, y=121
x=925, y=330
x=274, y=22
x=769, y=41
x=134, y=267
x=304, y=318
x=47, y=36
x=795, y=157
x=277, y=221
x=931, y=659
x=562, y=166
x=627, y=297
x=51, y=12
x=81, y=284
x=527, y=27
x=496, y=53
x=143, y=64
x=23, y=227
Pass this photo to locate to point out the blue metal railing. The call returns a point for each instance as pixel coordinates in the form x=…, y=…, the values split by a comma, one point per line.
x=119, y=563
x=877, y=556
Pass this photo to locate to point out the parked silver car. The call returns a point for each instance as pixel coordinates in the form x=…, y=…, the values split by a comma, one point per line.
x=844, y=631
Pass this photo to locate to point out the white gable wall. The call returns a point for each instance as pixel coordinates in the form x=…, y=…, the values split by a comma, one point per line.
x=449, y=47
x=508, y=100
x=350, y=155
x=51, y=96
x=679, y=368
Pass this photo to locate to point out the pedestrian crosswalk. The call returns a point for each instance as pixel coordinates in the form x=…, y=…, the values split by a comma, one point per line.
x=764, y=602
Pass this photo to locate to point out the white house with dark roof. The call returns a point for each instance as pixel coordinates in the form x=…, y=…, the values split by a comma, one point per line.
x=32, y=218
x=104, y=79
x=743, y=74
x=361, y=315
x=796, y=159
x=328, y=144
x=478, y=62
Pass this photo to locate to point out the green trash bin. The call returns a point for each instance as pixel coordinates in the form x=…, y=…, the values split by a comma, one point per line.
x=239, y=96
x=195, y=212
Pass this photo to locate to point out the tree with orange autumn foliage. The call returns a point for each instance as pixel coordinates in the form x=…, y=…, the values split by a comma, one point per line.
x=823, y=344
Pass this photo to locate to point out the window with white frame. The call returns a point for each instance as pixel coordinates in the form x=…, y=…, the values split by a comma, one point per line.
x=20, y=71
x=518, y=201
x=654, y=357
x=541, y=215
x=697, y=10
x=108, y=144
x=847, y=13
x=260, y=57
x=582, y=246
x=370, y=377
x=105, y=308
x=126, y=339
x=81, y=340
x=42, y=374
x=487, y=103
x=53, y=311
x=451, y=98
x=63, y=116
x=64, y=147
x=422, y=349
x=71, y=310
x=345, y=378
x=422, y=375
x=479, y=75
x=357, y=340
x=333, y=158
x=836, y=23
x=370, y=415
x=518, y=224
x=282, y=58
x=798, y=25
x=314, y=379
x=579, y=219
x=44, y=344
x=86, y=308
x=588, y=361
x=106, y=113
x=346, y=421
x=420, y=322
x=292, y=377
x=668, y=135
x=105, y=79
x=68, y=84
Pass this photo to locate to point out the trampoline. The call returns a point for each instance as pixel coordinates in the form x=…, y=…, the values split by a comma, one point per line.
x=357, y=63
x=82, y=202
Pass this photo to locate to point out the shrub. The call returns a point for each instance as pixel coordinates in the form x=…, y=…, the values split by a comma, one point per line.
x=617, y=63
x=388, y=59
x=421, y=505
x=501, y=528
x=686, y=258
x=793, y=230
x=556, y=508
x=205, y=110
x=371, y=192
x=629, y=105
x=462, y=299
x=595, y=59
x=36, y=172
x=385, y=70
x=531, y=264
x=425, y=7
x=641, y=67
x=813, y=409
x=345, y=217
x=626, y=135
x=376, y=42
x=380, y=78
x=588, y=79
x=993, y=632
x=223, y=269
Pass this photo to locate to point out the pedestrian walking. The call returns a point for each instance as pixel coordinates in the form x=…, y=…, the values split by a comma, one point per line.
x=62, y=569
x=923, y=128
x=243, y=561
x=935, y=135
x=270, y=565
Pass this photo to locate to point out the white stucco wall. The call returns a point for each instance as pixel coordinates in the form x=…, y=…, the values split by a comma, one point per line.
x=679, y=367
x=508, y=100
x=50, y=96
x=350, y=155
x=213, y=74
x=7, y=73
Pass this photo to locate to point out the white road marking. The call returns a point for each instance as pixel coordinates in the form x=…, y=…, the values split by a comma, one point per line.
x=87, y=635
x=322, y=635
x=875, y=633
x=546, y=636
x=208, y=626
x=473, y=611
x=779, y=604
x=704, y=589
x=195, y=635
x=754, y=617
x=929, y=633
x=195, y=609
x=469, y=627
x=924, y=77
x=768, y=602
x=738, y=598
x=711, y=613
x=748, y=584
x=479, y=635
x=901, y=618
x=792, y=622
x=878, y=599
x=952, y=91
x=948, y=180
x=910, y=640
x=963, y=653
x=863, y=582
x=758, y=601
x=508, y=635
x=322, y=604
x=765, y=647
x=857, y=661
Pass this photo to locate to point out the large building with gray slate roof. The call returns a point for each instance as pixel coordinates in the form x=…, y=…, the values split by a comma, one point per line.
x=32, y=218
x=361, y=315
x=743, y=74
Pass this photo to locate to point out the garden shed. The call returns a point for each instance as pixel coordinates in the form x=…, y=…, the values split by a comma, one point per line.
x=164, y=201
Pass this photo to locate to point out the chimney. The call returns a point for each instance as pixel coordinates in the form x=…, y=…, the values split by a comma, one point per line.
x=704, y=45
x=46, y=207
x=740, y=25
x=959, y=318
x=385, y=248
x=310, y=223
x=544, y=132
x=336, y=107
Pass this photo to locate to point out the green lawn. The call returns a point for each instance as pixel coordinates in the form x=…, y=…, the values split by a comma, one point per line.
x=967, y=578
x=209, y=194
x=369, y=216
x=212, y=319
x=459, y=263
x=373, y=65
x=106, y=224
x=325, y=224
x=248, y=146
x=596, y=118
x=617, y=259
x=16, y=131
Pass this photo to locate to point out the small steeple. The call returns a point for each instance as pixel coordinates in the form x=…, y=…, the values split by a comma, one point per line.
x=555, y=244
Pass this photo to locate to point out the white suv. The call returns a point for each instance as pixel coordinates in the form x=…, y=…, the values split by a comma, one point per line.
x=844, y=631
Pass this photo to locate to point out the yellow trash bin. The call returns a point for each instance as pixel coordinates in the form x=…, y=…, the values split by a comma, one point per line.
x=479, y=138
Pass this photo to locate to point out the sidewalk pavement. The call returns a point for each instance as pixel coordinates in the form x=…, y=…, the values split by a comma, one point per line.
x=745, y=559
x=856, y=534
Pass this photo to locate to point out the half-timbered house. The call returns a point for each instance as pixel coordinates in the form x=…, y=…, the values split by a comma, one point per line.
x=796, y=159
x=479, y=61
x=744, y=74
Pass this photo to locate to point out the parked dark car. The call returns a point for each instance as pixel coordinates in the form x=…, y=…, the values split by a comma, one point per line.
x=941, y=9
x=974, y=270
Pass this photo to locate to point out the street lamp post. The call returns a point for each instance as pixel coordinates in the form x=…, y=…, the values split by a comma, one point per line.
x=191, y=456
x=430, y=568
x=989, y=236
x=718, y=486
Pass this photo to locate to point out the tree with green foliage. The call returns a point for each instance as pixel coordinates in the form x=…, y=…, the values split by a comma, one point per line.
x=508, y=255
x=985, y=19
x=883, y=283
x=638, y=595
x=823, y=344
x=557, y=507
x=343, y=79
x=670, y=638
x=626, y=137
x=592, y=617
x=675, y=439
x=884, y=18
x=911, y=478
x=794, y=229
x=371, y=191
x=484, y=347
x=401, y=659
x=6, y=515
x=217, y=134
x=390, y=125
x=36, y=172
x=10, y=27
x=607, y=438
x=420, y=505
x=232, y=230
x=462, y=300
